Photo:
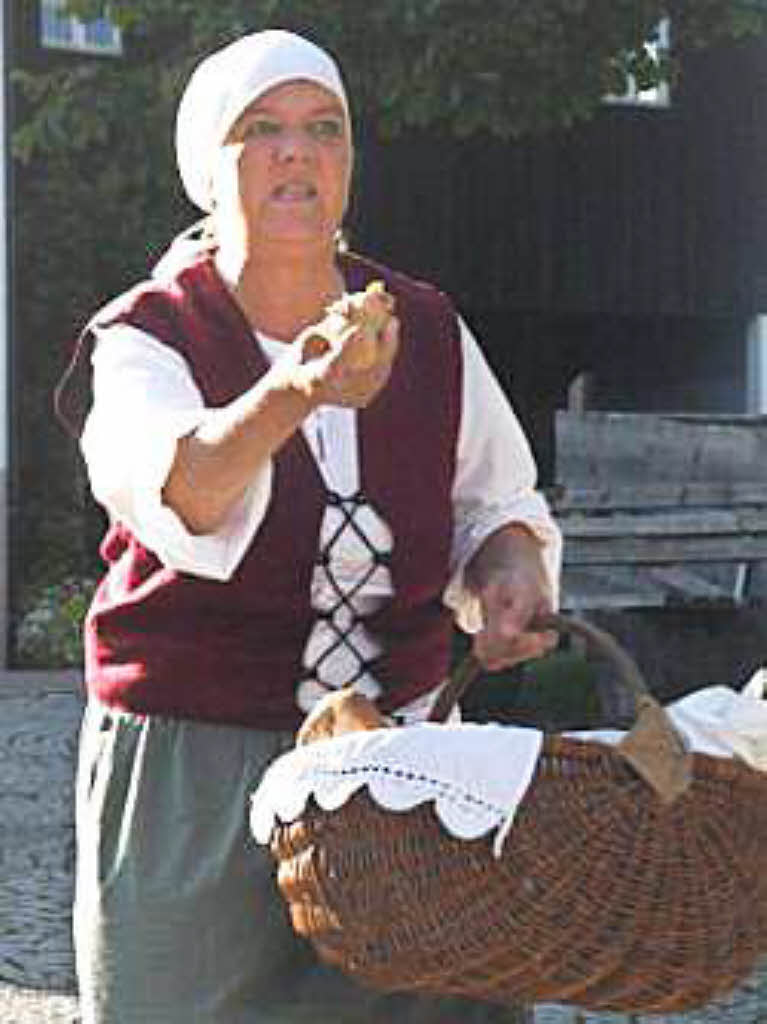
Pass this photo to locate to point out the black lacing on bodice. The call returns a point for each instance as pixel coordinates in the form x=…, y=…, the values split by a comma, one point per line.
x=341, y=617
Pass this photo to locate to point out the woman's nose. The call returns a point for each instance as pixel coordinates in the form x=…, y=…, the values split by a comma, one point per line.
x=291, y=145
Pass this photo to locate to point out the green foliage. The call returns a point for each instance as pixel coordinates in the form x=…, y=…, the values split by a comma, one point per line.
x=558, y=691
x=468, y=65
x=561, y=688
x=49, y=634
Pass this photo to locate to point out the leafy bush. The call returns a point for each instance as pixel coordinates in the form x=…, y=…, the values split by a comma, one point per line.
x=558, y=691
x=49, y=631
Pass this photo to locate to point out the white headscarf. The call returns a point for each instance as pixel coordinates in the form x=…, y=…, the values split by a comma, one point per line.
x=224, y=84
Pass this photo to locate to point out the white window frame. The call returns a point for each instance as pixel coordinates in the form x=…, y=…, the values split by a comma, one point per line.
x=660, y=95
x=74, y=35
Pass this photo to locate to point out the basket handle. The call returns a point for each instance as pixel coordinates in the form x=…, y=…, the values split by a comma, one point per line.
x=653, y=746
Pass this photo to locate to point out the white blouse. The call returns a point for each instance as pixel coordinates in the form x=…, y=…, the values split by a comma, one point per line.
x=145, y=400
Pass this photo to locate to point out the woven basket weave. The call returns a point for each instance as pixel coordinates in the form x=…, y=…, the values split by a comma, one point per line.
x=606, y=895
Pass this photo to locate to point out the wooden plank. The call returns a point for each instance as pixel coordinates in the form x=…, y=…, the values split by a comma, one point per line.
x=658, y=495
x=587, y=588
x=635, y=585
x=689, y=585
x=682, y=523
x=662, y=549
x=621, y=600
x=601, y=450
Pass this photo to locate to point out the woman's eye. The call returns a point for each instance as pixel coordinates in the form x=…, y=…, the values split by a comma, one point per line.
x=326, y=128
x=260, y=128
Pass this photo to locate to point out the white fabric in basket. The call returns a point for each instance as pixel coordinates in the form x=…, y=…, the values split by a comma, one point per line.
x=474, y=774
x=717, y=721
x=477, y=774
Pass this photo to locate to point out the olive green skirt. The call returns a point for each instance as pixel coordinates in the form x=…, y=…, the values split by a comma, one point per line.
x=177, y=917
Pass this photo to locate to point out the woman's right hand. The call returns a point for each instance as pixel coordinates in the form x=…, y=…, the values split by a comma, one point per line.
x=346, y=360
x=347, y=357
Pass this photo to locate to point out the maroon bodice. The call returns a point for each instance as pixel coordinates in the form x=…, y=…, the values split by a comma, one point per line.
x=172, y=643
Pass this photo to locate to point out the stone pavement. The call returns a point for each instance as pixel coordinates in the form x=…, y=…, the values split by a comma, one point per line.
x=39, y=717
x=36, y=1006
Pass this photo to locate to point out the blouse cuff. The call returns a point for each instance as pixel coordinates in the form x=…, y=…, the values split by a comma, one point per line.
x=135, y=497
x=211, y=555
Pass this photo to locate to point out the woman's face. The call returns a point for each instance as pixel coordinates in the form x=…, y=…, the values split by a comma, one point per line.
x=283, y=172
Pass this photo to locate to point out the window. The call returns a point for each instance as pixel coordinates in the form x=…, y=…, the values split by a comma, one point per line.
x=60, y=31
x=659, y=96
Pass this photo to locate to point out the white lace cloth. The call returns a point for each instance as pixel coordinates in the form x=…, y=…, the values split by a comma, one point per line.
x=449, y=764
x=476, y=775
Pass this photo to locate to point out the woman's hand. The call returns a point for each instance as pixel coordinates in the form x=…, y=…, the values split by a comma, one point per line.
x=509, y=578
x=347, y=357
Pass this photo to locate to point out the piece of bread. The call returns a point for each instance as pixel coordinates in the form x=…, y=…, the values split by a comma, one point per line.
x=340, y=712
x=364, y=314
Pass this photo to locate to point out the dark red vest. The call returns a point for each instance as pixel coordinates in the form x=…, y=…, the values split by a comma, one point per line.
x=171, y=643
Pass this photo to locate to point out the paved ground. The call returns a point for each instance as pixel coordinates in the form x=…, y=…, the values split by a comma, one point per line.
x=36, y=1006
x=39, y=717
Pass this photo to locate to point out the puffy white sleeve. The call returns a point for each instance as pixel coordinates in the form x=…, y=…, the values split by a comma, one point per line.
x=495, y=482
x=144, y=401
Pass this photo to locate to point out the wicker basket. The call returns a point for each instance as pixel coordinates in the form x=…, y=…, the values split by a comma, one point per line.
x=622, y=885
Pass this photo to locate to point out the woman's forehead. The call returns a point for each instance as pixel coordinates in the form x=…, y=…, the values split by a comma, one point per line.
x=297, y=94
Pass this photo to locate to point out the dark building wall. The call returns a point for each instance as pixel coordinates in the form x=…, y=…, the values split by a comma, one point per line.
x=659, y=211
x=633, y=246
x=683, y=649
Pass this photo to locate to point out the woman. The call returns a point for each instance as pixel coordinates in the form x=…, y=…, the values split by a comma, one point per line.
x=287, y=517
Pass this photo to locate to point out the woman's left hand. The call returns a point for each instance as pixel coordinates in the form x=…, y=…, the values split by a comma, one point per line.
x=510, y=580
